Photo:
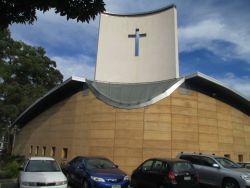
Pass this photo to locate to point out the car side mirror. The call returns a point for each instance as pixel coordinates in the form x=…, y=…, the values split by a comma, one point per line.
x=216, y=166
x=116, y=166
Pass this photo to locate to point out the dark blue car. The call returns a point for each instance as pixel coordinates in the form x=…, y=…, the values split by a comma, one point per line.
x=95, y=172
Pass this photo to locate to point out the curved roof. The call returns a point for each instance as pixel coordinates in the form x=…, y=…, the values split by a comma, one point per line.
x=130, y=96
x=142, y=13
x=55, y=95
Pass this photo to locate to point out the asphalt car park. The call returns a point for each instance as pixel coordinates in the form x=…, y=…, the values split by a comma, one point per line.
x=13, y=184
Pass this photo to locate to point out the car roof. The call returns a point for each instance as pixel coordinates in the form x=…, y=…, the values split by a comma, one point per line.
x=92, y=157
x=42, y=158
x=201, y=154
x=168, y=160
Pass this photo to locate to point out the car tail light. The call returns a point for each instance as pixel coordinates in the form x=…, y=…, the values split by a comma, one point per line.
x=172, y=177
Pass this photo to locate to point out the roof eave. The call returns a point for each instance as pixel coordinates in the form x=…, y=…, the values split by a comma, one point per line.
x=73, y=78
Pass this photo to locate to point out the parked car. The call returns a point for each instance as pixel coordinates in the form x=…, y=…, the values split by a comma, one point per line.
x=218, y=171
x=165, y=173
x=95, y=172
x=42, y=172
x=245, y=165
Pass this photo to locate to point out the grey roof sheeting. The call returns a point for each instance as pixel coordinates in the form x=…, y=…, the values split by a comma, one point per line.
x=131, y=96
x=196, y=81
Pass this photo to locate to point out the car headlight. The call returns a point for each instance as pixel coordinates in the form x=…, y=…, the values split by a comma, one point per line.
x=245, y=177
x=61, y=182
x=126, y=178
x=97, y=179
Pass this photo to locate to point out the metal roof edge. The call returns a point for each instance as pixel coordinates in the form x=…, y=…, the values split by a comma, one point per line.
x=204, y=76
x=72, y=78
x=167, y=7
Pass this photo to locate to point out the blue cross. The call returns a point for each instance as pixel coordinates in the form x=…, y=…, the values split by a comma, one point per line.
x=137, y=39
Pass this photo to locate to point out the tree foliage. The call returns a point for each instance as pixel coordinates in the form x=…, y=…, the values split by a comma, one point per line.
x=26, y=74
x=24, y=11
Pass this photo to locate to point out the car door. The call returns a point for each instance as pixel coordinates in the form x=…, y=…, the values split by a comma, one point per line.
x=155, y=177
x=72, y=170
x=80, y=171
x=142, y=174
x=211, y=175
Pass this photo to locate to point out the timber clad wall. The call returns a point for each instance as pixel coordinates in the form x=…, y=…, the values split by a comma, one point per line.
x=186, y=121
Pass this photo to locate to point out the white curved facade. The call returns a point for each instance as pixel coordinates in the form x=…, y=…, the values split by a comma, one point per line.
x=157, y=47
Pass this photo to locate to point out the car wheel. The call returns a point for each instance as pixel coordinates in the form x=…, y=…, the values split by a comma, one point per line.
x=230, y=183
x=85, y=184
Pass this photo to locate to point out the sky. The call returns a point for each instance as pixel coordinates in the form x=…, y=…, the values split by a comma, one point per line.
x=213, y=38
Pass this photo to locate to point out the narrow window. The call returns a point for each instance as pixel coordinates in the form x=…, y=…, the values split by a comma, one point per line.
x=31, y=150
x=37, y=150
x=137, y=38
x=240, y=158
x=53, y=151
x=44, y=151
x=227, y=156
x=64, y=153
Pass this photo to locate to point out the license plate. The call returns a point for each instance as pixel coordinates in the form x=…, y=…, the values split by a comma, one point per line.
x=187, y=178
x=116, y=186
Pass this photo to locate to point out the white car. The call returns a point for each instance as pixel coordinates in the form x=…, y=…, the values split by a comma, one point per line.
x=42, y=172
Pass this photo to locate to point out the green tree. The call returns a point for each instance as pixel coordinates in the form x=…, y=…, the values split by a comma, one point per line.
x=24, y=11
x=26, y=74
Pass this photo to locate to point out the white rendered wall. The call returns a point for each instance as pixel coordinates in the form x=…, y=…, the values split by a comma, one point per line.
x=158, y=51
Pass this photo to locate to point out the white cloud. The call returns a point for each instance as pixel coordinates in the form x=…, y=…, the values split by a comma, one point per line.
x=239, y=84
x=207, y=33
x=82, y=66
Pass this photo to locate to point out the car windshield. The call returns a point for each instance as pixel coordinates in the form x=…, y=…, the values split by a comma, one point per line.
x=226, y=163
x=182, y=167
x=99, y=164
x=42, y=166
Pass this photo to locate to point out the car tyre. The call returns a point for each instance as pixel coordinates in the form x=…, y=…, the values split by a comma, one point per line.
x=230, y=183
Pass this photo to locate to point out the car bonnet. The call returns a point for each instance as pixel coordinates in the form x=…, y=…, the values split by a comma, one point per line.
x=107, y=173
x=42, y=177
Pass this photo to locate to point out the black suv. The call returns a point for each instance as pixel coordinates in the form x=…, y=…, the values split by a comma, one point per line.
x=218, y=171
x=165, y=173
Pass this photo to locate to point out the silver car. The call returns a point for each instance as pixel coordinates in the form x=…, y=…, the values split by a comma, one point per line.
x=218, y=171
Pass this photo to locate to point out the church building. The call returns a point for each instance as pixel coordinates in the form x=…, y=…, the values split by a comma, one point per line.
x=137, y=106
